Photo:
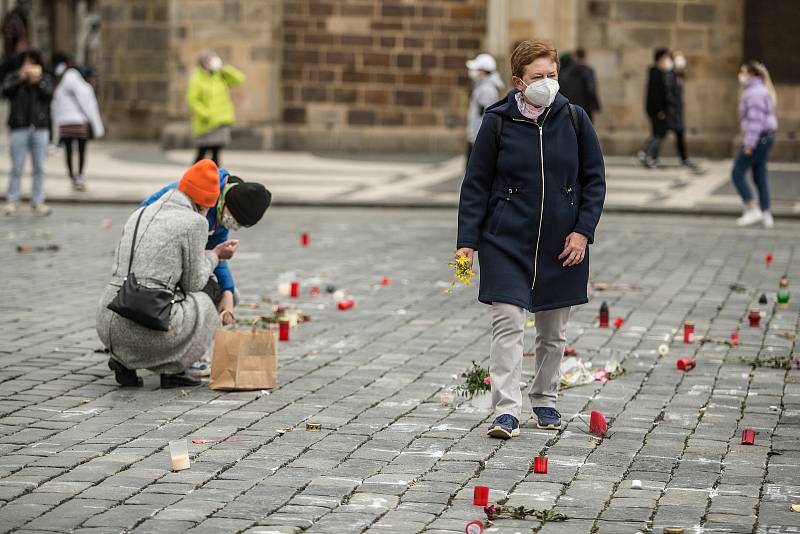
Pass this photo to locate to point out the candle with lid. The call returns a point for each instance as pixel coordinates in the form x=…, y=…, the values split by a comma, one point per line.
x=283, y=329
x=540, y=464
x=480, y=496
x=604, y=313
x=688, y=332
x=754, y=317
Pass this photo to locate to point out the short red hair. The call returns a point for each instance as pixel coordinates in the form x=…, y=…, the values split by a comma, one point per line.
x=529, y=51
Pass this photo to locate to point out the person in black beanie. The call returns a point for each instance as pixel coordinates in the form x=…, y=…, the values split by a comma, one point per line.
x=246, y=202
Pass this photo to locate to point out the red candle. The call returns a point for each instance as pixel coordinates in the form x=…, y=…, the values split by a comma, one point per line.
x=686, y=364
x=768, y=259
x=748, y=437
x=474, y=527
x=735, y=338
x=540, y=464
x=597, y=423
x=604, y=315
x=283, y=331
x=618, y=322
x=294, y=290
x=480, y=496
x=304, y=239
x=754, y=317
x=688, y=332
x=385, y=281
x=314, y=291
x=345, y=304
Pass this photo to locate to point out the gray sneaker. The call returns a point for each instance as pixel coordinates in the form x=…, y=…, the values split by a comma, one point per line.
x=42, y=209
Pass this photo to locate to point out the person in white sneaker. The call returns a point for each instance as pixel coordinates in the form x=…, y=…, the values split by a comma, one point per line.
x=757, y=112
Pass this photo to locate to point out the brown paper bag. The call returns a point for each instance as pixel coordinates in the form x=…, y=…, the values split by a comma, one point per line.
x=244, y=359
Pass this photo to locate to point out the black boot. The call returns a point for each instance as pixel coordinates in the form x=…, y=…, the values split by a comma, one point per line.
x=179, y=380
x=126, y=378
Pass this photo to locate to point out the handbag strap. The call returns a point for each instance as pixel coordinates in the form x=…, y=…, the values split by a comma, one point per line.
x=133, y=241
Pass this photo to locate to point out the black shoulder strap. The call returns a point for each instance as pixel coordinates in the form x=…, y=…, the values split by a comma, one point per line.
x=573, y=117
x=133, y=241
x=498, y=130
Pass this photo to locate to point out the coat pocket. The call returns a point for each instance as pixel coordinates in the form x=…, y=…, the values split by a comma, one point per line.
x=497, y=216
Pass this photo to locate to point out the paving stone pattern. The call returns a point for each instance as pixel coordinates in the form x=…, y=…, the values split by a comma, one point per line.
x=78, y=454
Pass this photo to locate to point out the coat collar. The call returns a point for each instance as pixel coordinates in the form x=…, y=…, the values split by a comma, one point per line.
x=508, y=106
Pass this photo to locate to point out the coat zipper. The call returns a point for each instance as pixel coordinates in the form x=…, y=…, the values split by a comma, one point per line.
x=541, y=207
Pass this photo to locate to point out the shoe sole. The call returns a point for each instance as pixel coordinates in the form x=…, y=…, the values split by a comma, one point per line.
x=501, y=433
x=550, y=426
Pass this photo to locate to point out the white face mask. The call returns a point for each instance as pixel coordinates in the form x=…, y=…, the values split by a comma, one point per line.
x=668, y=66
x=474, y=75
x=215, y=63
x=743, y=78
x=229, y=222
x=680, y=62
x=60, y=69
x=541, y=92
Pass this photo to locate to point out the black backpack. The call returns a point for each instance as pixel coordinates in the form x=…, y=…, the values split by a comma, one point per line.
x=573, y=118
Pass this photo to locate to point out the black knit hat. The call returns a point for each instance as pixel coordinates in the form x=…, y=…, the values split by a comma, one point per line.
x=247, y=201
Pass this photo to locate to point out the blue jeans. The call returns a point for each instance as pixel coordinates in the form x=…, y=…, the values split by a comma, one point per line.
x=758, y=162
x=22, y=141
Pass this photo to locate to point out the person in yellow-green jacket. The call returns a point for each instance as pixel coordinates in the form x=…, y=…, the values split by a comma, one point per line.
x=210, y=101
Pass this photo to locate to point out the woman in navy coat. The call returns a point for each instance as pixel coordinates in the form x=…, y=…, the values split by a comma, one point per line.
x=530, y=202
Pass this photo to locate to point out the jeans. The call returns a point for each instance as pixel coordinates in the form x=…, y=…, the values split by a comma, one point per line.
x=22, y=141
x=505, y=369
x=758, y=162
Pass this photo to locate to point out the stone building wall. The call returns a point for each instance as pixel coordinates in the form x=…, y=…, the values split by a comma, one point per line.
x=378, y=75
x=134, y=75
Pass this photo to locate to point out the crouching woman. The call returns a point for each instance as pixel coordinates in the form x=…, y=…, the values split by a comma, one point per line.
x=169, y=253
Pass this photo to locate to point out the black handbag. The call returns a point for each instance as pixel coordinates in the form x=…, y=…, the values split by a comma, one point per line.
x=145, y=306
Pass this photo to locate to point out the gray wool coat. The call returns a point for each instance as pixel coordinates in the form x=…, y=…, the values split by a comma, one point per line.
x=170, y=250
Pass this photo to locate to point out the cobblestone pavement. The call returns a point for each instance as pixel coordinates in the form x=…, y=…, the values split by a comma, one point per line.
x=77, y=454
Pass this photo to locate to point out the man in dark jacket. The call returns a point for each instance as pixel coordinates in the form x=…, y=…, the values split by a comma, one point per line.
x=579, y=85
x=660, y=105
x=530, y=201
x=29, y=90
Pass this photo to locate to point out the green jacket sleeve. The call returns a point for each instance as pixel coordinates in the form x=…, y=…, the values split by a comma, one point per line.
x=232, y=75
x=194, y=98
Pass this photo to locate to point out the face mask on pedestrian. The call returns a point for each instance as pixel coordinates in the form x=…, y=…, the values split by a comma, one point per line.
x=743, y=78
x=60, y=69
x=668, y=65
x=541, y=92
x=229, y=222
x=680, y=62
x=214, y=64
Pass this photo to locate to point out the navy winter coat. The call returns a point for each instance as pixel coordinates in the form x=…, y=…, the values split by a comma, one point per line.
x=518, y=212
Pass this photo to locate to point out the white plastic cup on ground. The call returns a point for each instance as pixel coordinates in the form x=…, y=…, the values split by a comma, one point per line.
x=179, y=454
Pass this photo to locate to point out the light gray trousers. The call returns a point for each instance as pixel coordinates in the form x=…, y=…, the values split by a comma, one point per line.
x=505, y=368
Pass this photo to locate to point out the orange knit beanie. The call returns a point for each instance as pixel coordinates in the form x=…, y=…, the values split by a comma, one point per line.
x=201, y=183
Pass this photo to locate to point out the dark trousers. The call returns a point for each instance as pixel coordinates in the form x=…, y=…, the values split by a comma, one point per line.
x=758, y=162
x=201, y=153
x=68, y=141
x=660, y=130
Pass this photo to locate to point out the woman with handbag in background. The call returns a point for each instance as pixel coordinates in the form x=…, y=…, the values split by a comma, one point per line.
x=75, y=115
x=154, y=313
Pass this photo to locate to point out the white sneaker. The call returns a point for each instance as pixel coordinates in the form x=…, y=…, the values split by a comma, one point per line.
x=750, y=216
x=10, y=209
x=42, y=209
x=768, y=221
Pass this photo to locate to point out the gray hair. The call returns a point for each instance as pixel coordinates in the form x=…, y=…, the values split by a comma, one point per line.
x=204, y=56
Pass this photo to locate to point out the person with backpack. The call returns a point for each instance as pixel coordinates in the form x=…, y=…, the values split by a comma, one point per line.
x=530, y=201
x=75, y=115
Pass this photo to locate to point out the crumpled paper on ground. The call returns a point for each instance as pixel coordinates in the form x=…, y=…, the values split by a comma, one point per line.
x=576, y=372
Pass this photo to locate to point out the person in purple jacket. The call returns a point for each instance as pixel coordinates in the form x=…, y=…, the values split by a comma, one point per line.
x=757, y=112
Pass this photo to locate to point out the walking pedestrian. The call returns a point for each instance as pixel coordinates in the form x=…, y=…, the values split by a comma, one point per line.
x=76, y=116
x=661, y=106
x=579, y=84
x=210, y=101
x=530, y=201
x=486, y=90
x=169, y=253
x=29, y=90
x=758, y=122
x=676, y=111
